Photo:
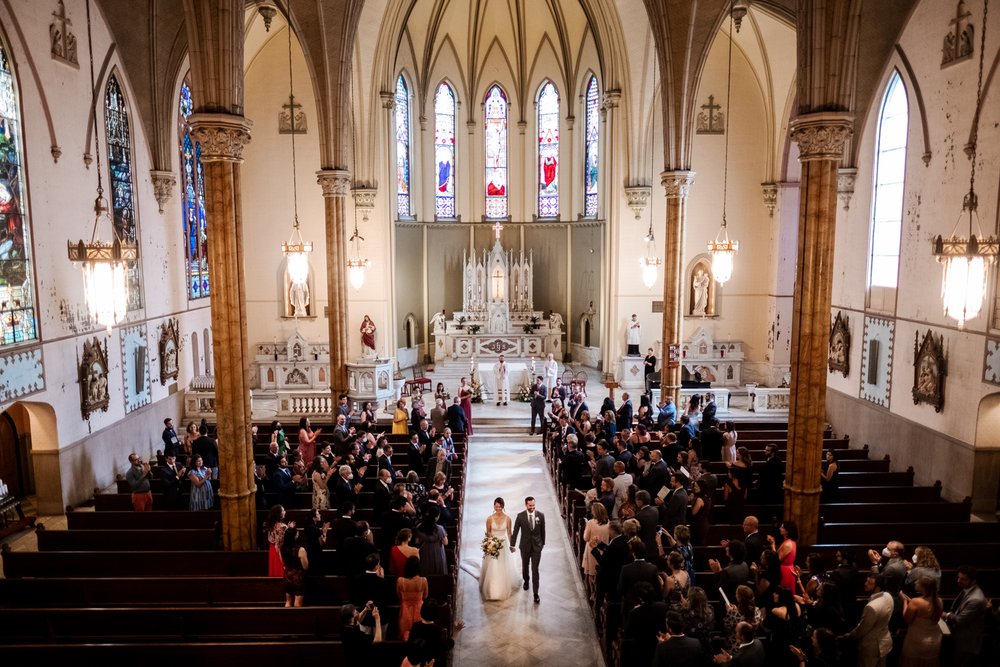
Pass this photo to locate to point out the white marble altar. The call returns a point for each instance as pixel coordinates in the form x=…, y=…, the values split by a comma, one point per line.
x=722, y=398
x=497, y=315
x=518, y=372
x=717, y=361
x=631, y=373
x=370, y=380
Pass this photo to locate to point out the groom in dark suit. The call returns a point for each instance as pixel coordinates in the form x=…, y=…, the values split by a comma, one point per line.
x=532, y=524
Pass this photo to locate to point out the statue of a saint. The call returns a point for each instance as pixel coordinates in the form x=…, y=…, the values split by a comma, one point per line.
x=438, y=322
x=298, y=296
x=368, y=338
x=700, y=284
x=555, y=320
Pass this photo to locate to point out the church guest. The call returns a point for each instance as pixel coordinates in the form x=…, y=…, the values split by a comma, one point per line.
x=307, y=439
x=729, y=437
x=202, y=496
x=465, y=398
x=187, y=444
x=771, y=481
x=623, y=419
x=172, y=474
x=538, y=393
x=438, y=412
x=456, y=416
x=966, y=619
x=708, y=412
x=417, y=413
x=829, y=478
x=138, y=476
x=667, y=414
x=399, y=419
x=170, y=442
x=701, y=509
x=277, y=436
x=367, y=417
x=208, y=449
x=649, y=368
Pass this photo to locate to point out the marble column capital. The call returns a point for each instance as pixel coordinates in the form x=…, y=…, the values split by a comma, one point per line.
x=677, y=183
x=364, y=197
x=164, y=183
x=335, y=182
x=821, y=136
x=222, y=136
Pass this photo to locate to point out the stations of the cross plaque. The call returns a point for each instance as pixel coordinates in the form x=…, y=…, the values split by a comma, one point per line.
x=711, y=120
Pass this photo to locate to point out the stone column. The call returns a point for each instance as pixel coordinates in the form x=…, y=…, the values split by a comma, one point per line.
x=222, y=137
x=677, y=185
x=821, y=138
x=336, y=184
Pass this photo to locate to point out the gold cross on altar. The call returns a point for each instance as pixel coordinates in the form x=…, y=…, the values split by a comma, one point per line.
x=496, y=229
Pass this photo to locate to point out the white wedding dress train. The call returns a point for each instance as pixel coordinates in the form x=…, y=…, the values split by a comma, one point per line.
x=499, y=577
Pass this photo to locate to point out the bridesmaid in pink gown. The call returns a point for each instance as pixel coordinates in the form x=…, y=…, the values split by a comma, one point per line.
x=786, y=553
x=465, y=399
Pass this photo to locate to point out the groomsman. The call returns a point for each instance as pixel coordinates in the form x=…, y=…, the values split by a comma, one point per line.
x=502, y=381
x=538, y=393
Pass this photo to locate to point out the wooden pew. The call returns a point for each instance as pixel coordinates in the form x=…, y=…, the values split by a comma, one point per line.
x=157, y=539
x=909, y=533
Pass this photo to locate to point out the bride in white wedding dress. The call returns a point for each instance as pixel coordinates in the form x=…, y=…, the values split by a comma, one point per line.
x=499, y=577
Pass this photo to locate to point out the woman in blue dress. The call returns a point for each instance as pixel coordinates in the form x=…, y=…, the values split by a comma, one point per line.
x=202, y=496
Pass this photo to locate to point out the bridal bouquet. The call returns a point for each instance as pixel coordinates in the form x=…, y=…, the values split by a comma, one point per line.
x=492, y=546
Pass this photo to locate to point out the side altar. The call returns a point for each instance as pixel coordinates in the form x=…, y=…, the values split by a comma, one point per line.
x=498, y=314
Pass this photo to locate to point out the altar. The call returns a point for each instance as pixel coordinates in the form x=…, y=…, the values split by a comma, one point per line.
x=497, y=315
x=717, y=361
x=518, y=374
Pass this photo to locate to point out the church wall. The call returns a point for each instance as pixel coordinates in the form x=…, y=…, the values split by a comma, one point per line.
x=932, y=200
x=268, y=212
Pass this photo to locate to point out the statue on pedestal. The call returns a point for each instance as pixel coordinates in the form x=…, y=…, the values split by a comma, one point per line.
x=368, y=338
x=438, y=324
x=555, y=320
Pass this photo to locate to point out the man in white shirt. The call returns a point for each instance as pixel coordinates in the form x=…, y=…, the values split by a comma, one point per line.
x=633, y=336
x=502, y=381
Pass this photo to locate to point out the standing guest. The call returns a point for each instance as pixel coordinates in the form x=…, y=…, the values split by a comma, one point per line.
x=925, y=564
x=319, y=472
x=352, y=556
x=456, y=416
x=314, y=537
x=623, y=419
x=208, y=449
x=441, y=393
x=922, y=646
x=745, y=651
x=637, y=571
x=736, y=573
x=187, y=444
x=295, y=562
x=417, y=413
x=172, y=474
x=417, y=491
x=743, y=611
x=439, y=464
x=966, y=619
x=729, y=437
x=399, y=419
x=770, y=483
x=677, y=581
x=436, y=640
x=595, y=532
x=667, y=415
x=357, y=643
x=737, y=485
x=829, y=478
x=402, y=552
x=367, y=417
x=137, y=477
x=538, y=393
x=648, y=518
x=642, y=623
x=275, y=528
x=890, y=563
x=392, y=522
x=465, y=400
x=649, y=369
x=675, y=510
x=712, y=441
x=415, y=454
x=502, y=381
x=872, y=633
x=610, y=561
x=272, y=458
x=438, y=412
x=753, y=540
x=786, y=552
x=383, y=492
x=767, y=578
x=783, y=623
x=202, y=497
x=606, y=495
x=433, y=539
x=708, y=412
x=343, y=526
x=701, y=509
x=411, y=589
x=699, y=618
x=621, y=482
x=284, y=482
x=675, y=649
x=170, y=442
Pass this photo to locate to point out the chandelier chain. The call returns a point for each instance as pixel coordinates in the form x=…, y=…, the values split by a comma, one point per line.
x=291, y=113
x=97, y=140
x=728, y=120
x=979, y=100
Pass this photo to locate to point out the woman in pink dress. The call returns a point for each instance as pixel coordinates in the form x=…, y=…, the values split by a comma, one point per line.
x=465, y=398
x=307, y=440
x=786, y=553
x=594, y=533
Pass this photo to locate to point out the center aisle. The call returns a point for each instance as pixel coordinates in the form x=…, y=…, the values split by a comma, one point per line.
x=504, y=461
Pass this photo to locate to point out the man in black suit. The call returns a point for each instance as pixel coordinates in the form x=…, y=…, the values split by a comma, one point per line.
x=657, y=476
x=283, y=481
x=170, y=442
x=208, y=449
x=342, y=528
x=734, y=574
x=749, y=651
x=530, y=524
x=371, y=585
x=392, y=522
x=573, y=463
x=711, y=442
x=343, y=437
x=385, y=462
x=675, y=510
x=172, y=474
x=648, y=518
x=603, y=464
x=415, y=454
x=610, y=561
x=344, y=489
x=456, y=416
x=383, y=492
x=581, y=407
x=272, y=459
x=708, y=412
x=675, y=649
x=623, y=419
x=639, y=570
x=538, y=393
x=563, y=431
x=351, y=556
x=770, y=483
x=642, y=623
x=753, y=541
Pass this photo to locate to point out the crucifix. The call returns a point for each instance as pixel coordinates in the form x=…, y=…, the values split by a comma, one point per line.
x=291, y=111
x=713, y=118
x=497, y=285
x=497, y=227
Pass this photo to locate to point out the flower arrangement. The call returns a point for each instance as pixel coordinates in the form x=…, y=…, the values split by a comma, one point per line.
x=460, y=323
x=474, y=328
x=492, y=546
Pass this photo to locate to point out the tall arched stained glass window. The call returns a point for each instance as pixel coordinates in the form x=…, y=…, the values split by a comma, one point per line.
x=890, y=170
x=402, y=148
x=495, y=111
x=120, y=165
x=444, y=151
x=548, y=151
x=193, y=202
x=590, y=149
x=17, y=303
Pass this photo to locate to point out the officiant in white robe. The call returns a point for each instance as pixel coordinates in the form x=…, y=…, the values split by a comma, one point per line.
x=551, y=368
x=501, y=378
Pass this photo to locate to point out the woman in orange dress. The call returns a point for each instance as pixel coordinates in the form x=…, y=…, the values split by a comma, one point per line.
x=411, y=588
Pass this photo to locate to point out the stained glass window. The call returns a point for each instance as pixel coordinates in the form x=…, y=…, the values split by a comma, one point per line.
x=548, y=151
x=402, y=148
x=444, y=151
x=192, y=202
x=120, y=166
x=590, y=149
x=495, y=110
x=17, y=304
x=890, y=169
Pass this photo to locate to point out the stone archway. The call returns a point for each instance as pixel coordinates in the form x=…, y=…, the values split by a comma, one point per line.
x=986, y=456
x=37, y=454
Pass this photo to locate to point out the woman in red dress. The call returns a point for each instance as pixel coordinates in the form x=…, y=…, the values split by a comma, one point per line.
x=402, y=551
x=307, y=441
x=786, y=553
x=465, y=400
x=275, y=527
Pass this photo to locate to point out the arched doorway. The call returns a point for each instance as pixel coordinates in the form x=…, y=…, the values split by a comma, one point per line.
x=14, y=460
x=986, y=456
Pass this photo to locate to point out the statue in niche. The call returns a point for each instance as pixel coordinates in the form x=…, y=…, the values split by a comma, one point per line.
x=700, y=285
x=298, y=298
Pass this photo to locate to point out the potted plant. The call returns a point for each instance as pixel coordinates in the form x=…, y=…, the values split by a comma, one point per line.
x=460, y=323
x=474, y=329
